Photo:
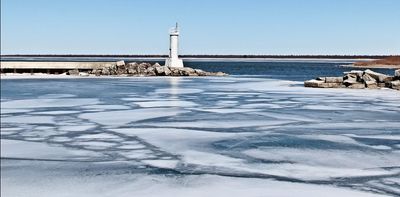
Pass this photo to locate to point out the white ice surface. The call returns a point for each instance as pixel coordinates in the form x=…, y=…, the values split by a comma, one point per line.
x=98, y=136
x=28, y=119
x=166, y=103
x=121, y=118
x=224, y=124
x=9, y=111
x=155, y=186
x=178, y=91
x=35, y=150
x=42, y=103
x=75, y=128
x=312, y=164
x=106, y=107
x=55, y=112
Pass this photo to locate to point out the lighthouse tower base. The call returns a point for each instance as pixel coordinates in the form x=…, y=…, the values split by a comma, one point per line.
x=174, y=62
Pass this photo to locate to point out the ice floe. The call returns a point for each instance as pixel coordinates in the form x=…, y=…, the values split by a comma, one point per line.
x=123, y=117
x=36, y=150
x=43, y=103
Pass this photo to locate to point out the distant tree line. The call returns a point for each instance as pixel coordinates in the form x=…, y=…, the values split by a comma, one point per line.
x=215, y=56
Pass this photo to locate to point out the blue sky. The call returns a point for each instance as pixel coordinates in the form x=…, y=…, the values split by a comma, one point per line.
x=207, y=26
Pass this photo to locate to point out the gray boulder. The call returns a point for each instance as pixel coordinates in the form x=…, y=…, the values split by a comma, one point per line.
x=133, y=65
x=151, y=71
x=395, y=85
x=162, y=71
x=186, y=71
x=357, y=73
x=397, y=74
x=96, y=72
x=350, y=79
x=121, y=63
x=371, y=84
x=357, y=86
x=84, y=74
x=318, y=83
x=200, y=72
x=142, y=69
x=333, y=79
x=382, y=78
x=220, y=74
x=145, y=65
x=73, y=72
x=367, y=77
x=313, y=83
x=105, y=71
x=131, y=71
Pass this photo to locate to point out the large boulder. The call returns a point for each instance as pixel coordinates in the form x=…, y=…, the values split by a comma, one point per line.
x=73, y=72
x=186, y=71
x=395, y=85
x=313, y=83
x=151, y=71
x=357, y=86
x=133, y=65
x=220, y=74
x=84, y=74
x=367, y=77
x=96, y=72
x=174, y=71
x=318, y=83
x=167, y=71
x=145, y=65
x=333, y=79
x=397, y=73
x=131, y=71
x=200, y=72
x=358, y=73
x=371, y=84
x=142, y=69
x=105, y=71
x=162, y=70
x=382, y=78
x=121, y=63
x=121, y=71
x=350, y=79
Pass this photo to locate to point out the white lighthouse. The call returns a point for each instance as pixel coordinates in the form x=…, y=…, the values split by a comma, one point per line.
x=173, y=59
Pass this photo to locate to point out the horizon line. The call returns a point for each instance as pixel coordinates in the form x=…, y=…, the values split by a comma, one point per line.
x=198, y=55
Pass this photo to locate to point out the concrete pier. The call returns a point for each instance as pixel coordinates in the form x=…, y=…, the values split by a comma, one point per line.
x=53, y=65
x=49, y=67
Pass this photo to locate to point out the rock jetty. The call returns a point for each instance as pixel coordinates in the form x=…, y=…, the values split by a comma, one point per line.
x=357, y=79
x=121, y=68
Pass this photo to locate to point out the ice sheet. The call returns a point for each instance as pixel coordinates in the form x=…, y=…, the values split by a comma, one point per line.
x=171, y=133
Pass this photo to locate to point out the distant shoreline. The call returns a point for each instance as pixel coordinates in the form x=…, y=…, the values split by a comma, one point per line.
x=373, y=66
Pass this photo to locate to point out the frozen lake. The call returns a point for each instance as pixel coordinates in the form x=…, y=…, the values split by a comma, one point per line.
x=231, y=136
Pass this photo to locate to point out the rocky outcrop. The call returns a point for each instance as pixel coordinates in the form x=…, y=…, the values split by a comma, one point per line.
x=121, y=68
x=357, y=79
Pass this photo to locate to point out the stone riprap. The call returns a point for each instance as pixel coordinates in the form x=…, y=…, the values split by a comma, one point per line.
x=357, y=79
x=121, y=68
